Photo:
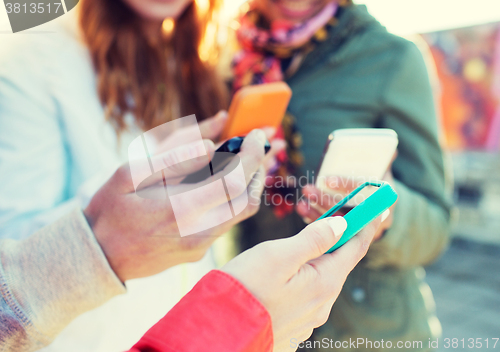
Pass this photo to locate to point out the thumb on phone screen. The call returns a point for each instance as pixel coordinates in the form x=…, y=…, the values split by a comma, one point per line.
x=295, y=280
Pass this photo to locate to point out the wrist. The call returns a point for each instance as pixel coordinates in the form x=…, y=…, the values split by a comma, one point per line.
x=104, y=241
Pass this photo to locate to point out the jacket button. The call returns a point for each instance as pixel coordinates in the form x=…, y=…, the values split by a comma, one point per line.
x=358, y=294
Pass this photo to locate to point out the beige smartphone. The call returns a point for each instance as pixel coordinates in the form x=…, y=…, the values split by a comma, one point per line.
x=361, y=154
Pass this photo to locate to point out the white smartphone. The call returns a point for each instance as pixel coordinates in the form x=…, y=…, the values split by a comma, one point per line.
x=359, y=154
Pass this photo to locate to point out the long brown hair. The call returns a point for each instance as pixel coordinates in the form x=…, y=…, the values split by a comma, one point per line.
x=133, y=73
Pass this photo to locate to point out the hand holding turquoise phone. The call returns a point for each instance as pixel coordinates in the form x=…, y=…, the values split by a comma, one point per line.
x=364, y=213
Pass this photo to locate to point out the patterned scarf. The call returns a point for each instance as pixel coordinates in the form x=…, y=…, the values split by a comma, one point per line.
x=271, y=52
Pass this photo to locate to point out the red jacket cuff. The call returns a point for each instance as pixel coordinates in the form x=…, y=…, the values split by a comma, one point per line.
x=218, y=314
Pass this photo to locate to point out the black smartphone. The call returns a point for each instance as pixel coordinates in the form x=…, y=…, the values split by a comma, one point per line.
x=222, y=157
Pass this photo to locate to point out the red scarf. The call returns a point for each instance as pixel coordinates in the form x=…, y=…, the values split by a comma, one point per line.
x=269, y=53
x=262, y=49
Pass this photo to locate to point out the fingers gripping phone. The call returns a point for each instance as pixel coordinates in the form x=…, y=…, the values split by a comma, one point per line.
x=357, y=154
x=257, y=106
x=364, y=213
x=222, y=157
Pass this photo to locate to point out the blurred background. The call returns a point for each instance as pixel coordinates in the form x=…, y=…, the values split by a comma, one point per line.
x=463, y=39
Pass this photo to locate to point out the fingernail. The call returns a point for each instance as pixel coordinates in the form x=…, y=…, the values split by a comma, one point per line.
x=222, y=115
x=385, y=215
x=338, y=225
x=261, y=136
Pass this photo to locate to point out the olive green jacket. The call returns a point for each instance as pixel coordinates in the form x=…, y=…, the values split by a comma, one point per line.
x=360, y=77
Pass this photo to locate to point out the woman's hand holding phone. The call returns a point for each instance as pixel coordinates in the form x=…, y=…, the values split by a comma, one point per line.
x=296, y=281
x=210, y=128
x=140, y=237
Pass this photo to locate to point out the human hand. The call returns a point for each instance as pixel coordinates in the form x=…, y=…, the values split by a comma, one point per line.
x=277, y=145
x=296, y=281
x=140, y=237
x=210, y=128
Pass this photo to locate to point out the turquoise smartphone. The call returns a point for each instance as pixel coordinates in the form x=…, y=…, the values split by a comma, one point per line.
x=365, y=212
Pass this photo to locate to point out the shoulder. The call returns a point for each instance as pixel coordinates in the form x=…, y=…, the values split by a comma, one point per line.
x=360, y=46
x=45, y=70
x=360, y=37
x=395, y=48
x=35, y=56
x=383, y=56
x=381, y=48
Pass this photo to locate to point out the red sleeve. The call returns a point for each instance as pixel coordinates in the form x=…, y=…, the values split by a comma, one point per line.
x=218, y=314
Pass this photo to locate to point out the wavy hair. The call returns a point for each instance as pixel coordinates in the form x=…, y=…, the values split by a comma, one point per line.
x=155, y=80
